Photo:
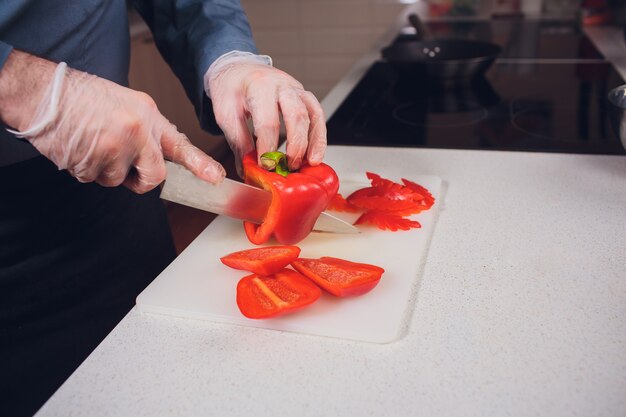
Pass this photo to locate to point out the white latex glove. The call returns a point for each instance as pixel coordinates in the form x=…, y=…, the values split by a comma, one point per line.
x=241, y=85
x=103, y=132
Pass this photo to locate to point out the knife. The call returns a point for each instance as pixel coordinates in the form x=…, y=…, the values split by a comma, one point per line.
x=182, y=187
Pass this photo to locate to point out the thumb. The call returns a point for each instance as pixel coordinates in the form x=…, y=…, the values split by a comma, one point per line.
x=177, y=148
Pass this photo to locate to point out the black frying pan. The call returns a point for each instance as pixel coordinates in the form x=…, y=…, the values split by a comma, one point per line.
x=442, y=59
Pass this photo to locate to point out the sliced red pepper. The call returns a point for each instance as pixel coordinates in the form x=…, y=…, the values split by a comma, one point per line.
x=429, y=200
x=338, y=203
x=402, y=207
x=377, y=180
x=386, y=203
x=262, y=261
x=386, y=195
x=260, y=297
x=297, y=200
x=340, y=277
x=386, y=220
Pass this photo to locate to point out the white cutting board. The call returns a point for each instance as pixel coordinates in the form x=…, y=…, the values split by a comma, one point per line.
x=197, y=285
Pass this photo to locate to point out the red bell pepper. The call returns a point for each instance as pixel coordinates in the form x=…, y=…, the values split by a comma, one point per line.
x=298, y=198
x=261, y=297
x=339, y=277
x=262, y=261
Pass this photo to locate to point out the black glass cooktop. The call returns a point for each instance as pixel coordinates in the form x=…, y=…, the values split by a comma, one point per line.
x=520, y=104
x=527, y=107
x=520, y=38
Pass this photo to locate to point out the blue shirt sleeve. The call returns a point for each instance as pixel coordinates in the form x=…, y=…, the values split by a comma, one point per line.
x=190, y=35
x=5, y=50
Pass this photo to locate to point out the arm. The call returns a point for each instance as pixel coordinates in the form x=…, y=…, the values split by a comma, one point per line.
x=23, y=80
x=96, y=129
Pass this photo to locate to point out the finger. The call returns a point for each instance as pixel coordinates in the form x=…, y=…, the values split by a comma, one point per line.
x=263, y=108
x=113, y=174
x=148, y=170
x=177, y=148
x=296, y=119
x=317, y=128
x=231, y=118
x=117, y=160
x=106, y=157
x=84, y=159
x=121, y=149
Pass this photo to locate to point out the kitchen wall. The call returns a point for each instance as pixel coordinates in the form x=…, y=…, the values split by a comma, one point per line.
x=318, y=40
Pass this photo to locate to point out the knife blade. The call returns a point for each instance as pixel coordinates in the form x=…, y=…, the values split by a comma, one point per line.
x=232, y=199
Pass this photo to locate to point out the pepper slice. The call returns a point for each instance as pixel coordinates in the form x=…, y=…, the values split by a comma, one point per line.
x=388, y=196
x=340, y=277
x=338, y=203
x=297, y=200
x=262, y=261
x=386, y=220
x=261, y=297
x=385, y=204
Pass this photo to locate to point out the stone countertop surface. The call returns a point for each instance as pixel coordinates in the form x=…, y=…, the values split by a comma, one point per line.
x=520, y=310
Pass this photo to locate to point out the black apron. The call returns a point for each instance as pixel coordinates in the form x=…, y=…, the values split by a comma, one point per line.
x=73, y=257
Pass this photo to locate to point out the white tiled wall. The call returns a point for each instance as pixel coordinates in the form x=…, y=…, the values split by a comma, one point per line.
x=318, y=40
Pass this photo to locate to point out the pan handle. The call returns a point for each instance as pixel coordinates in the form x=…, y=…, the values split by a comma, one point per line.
x=420, y=28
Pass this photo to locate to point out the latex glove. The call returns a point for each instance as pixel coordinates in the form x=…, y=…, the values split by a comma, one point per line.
x=241, y=87
x=103, y=132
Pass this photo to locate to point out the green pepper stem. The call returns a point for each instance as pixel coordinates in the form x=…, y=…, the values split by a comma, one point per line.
x=275, y=161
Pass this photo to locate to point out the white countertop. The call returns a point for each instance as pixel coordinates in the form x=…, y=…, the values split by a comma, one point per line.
x=521, y=310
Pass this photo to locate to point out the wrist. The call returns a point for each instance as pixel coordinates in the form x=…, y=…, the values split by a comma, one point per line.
x=229, y=59
x=24, y=79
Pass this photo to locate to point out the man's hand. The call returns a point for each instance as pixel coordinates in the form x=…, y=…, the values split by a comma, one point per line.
x=99, y=131
x=240, y=89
